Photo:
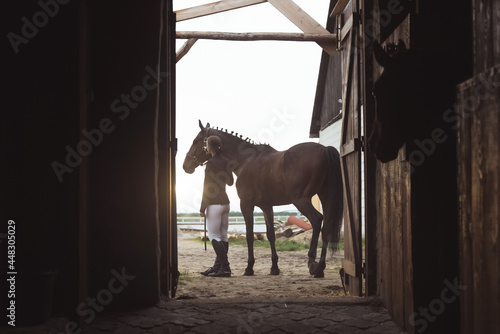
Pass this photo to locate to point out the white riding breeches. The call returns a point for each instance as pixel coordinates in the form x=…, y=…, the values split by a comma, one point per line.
x=218, y=221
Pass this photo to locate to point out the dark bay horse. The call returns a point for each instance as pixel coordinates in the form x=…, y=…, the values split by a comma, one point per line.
x=411, y=95
x=267, y=177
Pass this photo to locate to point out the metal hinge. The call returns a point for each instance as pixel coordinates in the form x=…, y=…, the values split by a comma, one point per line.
x=354, y=145
x=173, y=144
x=340, y=23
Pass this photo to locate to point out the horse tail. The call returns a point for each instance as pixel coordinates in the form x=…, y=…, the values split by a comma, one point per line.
x=332, y=199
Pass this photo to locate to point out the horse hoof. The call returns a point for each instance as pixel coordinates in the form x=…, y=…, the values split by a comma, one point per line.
x=313, y=267
x=319, y=274
x=248, y=272
x=275, y=271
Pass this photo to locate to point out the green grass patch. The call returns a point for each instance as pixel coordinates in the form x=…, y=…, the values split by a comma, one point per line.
x=341, y=242
x=184, y=277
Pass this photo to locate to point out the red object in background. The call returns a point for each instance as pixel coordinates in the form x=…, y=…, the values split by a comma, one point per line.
x=299, y=222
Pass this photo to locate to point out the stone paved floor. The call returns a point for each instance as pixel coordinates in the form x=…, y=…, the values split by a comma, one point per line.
x=341, y=315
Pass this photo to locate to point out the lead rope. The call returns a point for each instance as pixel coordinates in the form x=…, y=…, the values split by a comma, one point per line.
x=205, y=231
x=205, y=218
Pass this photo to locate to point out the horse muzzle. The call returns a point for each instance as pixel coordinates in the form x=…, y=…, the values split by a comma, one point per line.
x=189, y=166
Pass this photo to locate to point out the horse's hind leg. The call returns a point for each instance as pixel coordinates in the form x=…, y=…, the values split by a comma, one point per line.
x=271, y=236
x=247, y=211
x=305, y=206
x=319, y=270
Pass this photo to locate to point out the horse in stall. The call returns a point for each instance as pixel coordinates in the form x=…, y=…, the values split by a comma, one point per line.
x=409, y=104
x=414, y=107
x=267, y=177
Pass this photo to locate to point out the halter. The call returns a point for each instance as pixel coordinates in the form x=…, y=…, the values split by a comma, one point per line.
x=193, y=157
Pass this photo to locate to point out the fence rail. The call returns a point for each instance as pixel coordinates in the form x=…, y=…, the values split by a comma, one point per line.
x=239, y=220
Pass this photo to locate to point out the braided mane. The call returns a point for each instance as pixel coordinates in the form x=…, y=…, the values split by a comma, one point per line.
x=240, y=137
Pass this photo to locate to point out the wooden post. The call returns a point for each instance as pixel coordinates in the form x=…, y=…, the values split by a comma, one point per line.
x=185, y=49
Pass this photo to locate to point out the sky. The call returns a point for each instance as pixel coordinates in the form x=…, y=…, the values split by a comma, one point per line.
x=263, y=90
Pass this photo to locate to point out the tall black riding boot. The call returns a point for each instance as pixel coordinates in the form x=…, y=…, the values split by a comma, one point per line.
x=221, y=251
x=215, y=268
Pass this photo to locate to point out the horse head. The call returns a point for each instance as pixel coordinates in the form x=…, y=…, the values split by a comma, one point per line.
x=406, y=98
x=197, y=155
x=390, y=92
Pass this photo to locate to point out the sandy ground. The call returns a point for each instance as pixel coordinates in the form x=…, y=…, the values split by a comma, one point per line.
x=294, y=280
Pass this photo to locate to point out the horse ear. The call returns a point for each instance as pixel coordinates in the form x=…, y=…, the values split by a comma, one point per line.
x=208, y=126
x=401, y=45
x=380, y=55
x=201, y=125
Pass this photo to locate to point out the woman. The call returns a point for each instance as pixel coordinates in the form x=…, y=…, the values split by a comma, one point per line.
x=215, y=206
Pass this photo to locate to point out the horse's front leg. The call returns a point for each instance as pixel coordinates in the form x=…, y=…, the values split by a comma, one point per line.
x=271, y=236
x=247, y=211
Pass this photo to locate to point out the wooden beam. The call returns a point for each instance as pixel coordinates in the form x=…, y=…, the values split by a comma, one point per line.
x=185, y=49
x=339, y=7
x=346, y=28
x=213, y=8
x=327, y=39
x=303, y=21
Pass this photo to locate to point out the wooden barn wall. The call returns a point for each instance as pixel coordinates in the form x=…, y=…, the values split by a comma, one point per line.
x=38, y=119
x=479, y=182
x=332, y=100
x=167, y=172
x=479, y=178
x=328, y=99
x=84, y=200
x=123, y=221
x=486, y=35
x=393, y=202
x=416, y=207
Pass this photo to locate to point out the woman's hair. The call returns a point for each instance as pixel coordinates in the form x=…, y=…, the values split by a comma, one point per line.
x=215, y=143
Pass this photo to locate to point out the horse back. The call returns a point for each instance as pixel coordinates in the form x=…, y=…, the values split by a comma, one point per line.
x=305, y=169
x=279, y=177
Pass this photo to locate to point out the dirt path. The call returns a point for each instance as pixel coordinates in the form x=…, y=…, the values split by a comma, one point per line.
x=294, y=280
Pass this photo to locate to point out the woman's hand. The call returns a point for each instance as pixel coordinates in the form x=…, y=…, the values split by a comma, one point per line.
x=202, y=214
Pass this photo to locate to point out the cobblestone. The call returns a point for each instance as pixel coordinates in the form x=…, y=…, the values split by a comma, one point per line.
x=337, y=315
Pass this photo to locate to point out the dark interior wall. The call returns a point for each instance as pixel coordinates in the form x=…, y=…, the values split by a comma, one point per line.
x=69, y=155
x=426, y=235
x=486, y=35
x=38, y=118
x=393, y=191
x=123, y=228
x=444, y=30
x=479, y=177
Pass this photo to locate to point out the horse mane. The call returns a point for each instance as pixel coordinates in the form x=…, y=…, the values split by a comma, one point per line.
x=240, y=137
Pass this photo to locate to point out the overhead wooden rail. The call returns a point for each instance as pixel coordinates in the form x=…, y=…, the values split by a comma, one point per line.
x=312, y=30
x=260, y=36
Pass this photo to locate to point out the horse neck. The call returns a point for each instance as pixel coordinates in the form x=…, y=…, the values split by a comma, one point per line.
x=240, y=151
